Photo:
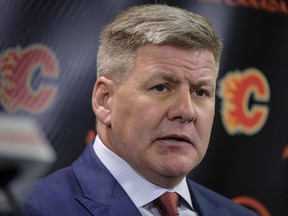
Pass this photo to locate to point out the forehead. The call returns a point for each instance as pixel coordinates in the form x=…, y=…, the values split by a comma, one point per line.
x=174, y=60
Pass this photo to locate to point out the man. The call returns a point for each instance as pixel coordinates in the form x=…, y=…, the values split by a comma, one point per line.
x=154, y=101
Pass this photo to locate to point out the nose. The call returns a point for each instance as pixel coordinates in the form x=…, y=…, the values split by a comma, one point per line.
x=182, y=108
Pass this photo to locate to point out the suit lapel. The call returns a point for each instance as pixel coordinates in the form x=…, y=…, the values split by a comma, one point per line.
x=117, y=206
x=205, y=206
x=100, y=193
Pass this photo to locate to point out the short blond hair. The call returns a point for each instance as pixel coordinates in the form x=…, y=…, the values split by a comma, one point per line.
x=156, y=24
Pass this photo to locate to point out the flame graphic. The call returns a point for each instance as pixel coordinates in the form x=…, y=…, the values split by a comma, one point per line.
x=16, y=70
x=236, y=89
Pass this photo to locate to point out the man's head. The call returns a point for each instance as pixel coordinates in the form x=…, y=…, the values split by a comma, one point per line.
x=154, y=97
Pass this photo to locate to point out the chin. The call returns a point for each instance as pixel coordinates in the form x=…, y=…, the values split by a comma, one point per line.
x=176, y=170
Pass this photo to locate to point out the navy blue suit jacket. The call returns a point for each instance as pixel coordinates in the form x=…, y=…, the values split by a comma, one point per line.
x=88, y=188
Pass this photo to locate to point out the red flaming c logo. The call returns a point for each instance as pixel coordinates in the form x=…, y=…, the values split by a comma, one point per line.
x=239, y=113
x=16, y=71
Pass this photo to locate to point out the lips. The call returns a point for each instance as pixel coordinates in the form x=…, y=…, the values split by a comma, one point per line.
x=176, y=138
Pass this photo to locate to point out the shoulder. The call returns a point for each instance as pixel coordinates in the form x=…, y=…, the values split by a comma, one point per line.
x=57, y=182
x=58, y=193
x=205, y=196
x=63, y=182
x=55, y=191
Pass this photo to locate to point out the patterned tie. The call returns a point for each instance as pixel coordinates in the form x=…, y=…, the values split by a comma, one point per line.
x=167, y=204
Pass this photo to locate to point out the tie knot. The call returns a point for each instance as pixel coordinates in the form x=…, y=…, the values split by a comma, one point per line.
x=167, y=204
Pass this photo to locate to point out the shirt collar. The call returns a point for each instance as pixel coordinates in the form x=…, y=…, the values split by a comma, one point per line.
x=140, y=190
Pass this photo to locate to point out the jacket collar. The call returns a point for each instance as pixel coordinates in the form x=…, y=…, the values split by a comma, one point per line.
x=100, y=193
x=203, y=204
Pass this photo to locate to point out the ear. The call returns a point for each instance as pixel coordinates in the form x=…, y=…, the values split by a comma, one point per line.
x=102, y=98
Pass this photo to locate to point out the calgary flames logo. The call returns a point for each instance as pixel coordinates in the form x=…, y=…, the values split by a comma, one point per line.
x=244, y=101
x=17, y=68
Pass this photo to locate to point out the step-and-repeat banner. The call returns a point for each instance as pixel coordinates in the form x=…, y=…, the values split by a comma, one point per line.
x=47, y=72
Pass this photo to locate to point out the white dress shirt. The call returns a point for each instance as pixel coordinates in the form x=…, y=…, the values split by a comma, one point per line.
x=141, y=191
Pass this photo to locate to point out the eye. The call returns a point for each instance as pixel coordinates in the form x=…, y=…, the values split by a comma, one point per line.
x=200, y=93
x=160, y=88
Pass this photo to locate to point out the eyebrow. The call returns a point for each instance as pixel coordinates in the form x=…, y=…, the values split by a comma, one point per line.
x=170, y=77
x=206, y=82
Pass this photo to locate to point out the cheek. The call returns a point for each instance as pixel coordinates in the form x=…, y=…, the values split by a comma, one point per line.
x=137, y=125
x=133, y=116
x=205, y=122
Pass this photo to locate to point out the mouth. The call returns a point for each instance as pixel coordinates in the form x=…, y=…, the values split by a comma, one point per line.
x=176, y=138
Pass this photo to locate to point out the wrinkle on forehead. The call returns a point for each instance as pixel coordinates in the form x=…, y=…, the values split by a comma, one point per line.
x=199, y=57
x=174, y=64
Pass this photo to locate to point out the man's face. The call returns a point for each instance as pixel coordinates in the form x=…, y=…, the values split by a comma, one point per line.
x=162, y=114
